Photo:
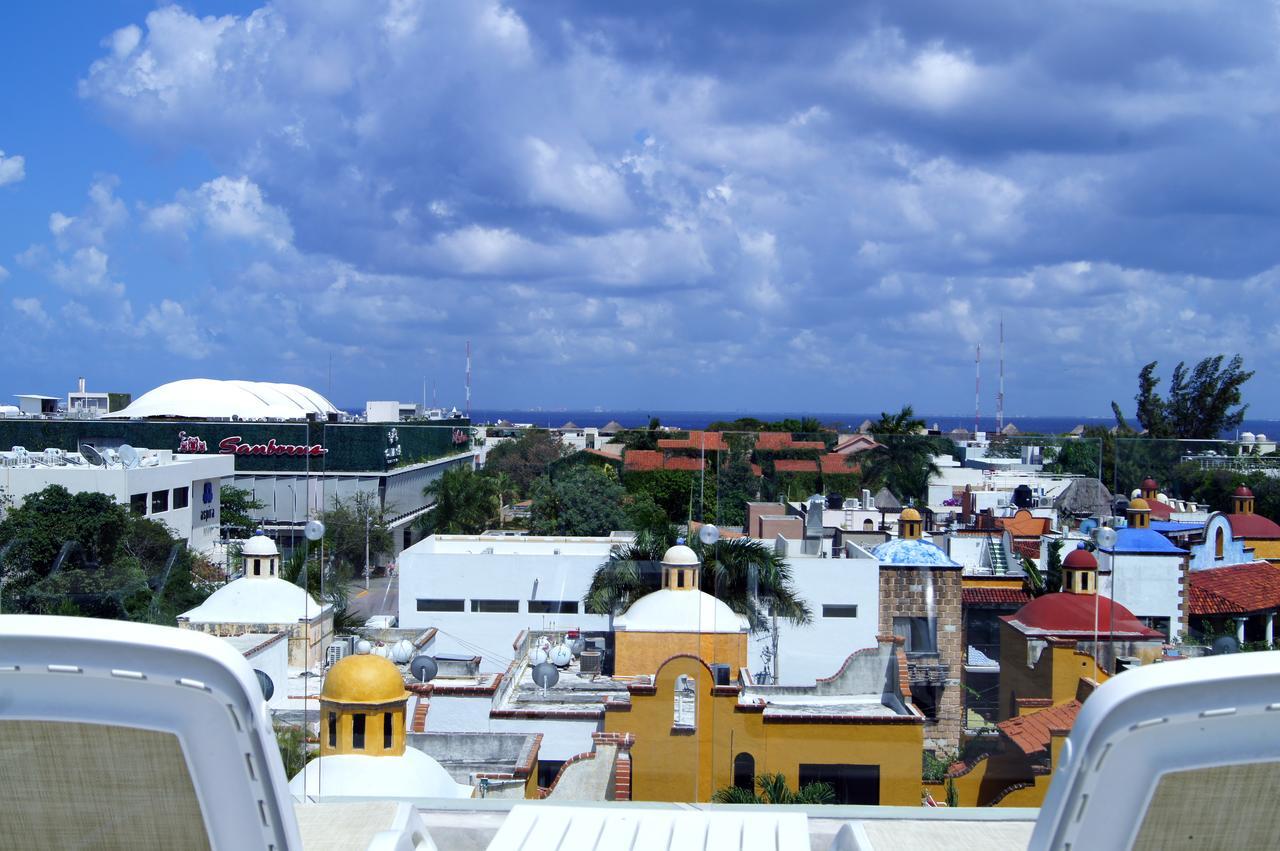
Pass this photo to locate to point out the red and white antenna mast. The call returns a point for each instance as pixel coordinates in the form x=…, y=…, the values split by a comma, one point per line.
x=468, y=379
x=1000, y=395
x=977, y=388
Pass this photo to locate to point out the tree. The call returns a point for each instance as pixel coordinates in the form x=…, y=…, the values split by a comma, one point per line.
x=1202, y=403
x=736, y=485
x=524, y=459
x=583, y=500
x=904, y=460
x=235, y=505
x=774, y=790
x=732, y=567
x=466, y=503
x=345, y=526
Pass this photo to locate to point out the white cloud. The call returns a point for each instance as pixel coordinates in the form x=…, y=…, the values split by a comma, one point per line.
x=33, y=310
x=12, y=168
x=4, y=273
x=177, y=329
x=235, y=207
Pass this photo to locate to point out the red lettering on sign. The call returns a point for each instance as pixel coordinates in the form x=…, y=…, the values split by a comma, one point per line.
x=235, y=446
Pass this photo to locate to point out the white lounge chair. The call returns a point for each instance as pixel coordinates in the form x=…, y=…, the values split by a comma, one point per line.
x=132, y=736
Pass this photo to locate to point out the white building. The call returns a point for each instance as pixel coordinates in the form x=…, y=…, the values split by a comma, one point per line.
x=1146, y=573
x=267, y=652
x=82, y=403
x=480, y=591
x=180, y=491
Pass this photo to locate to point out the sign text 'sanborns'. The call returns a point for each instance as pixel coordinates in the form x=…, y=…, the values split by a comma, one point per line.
x=235, y=445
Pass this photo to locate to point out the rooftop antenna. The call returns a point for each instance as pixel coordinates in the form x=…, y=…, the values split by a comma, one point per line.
x=468, y=379
x=1000, y=395
x=977, y=388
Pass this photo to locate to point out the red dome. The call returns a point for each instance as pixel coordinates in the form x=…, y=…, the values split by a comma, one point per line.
x=1080, y=559
x=1150, y=485
x=1243, y=491
x=1066, y=614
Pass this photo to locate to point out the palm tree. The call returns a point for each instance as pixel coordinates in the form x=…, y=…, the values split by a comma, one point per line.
x=733, y=568
x=774, y=790
x=466, y=503
x=904, y=460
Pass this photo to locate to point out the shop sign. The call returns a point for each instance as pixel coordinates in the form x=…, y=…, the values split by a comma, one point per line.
x=460, y=437
x=235, y=445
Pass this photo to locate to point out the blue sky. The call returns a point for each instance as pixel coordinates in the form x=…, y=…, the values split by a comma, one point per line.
x=766, y=206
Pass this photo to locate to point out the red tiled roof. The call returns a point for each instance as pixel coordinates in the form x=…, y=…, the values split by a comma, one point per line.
x=1160, y=510
x=642, y=459
x=756, y=471
x=995, y=596
x=838, y=464
x=679, y=463
x=773, y=441
x=856, y=443
x=1068, y=614
x=1030, y=549
x=1031, y=733
x=1253, y=526
x=1023, y=524
x=711, y=441
x=1235, y=589
x=795, y=465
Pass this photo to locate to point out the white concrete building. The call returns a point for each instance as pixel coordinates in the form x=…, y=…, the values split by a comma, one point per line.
x=180, y=491
x=480, y=591
x=267, y=652
x=1146, y=573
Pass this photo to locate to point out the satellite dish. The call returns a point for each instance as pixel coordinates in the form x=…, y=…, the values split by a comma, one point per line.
x=708, y=534
x=1224, y=644
x=423, y=668
x=111, y=456
x=1104, y=537
x=561, y=655
x=314, y=530
x=402, y=651
x=538, y=656
x=546, y=675
x=268, y=687
x=128, y=456
x=92, y=455
x=363, y=646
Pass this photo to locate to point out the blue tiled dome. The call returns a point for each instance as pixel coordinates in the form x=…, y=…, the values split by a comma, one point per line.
x=917, y=552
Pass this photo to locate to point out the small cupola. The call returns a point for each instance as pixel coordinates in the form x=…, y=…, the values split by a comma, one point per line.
x=261, y=558
x=1139, y=514
x=1080, y=572
x=1242, y=501
x=1150, y=488
x=910, y=525
x=681, y=569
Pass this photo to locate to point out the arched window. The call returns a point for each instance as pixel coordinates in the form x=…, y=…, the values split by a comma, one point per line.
x=686, y=702
x=744, y=771
x=1219, y=542
x=868, y=525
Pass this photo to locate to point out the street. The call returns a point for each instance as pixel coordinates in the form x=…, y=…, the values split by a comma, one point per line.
x=380, y=599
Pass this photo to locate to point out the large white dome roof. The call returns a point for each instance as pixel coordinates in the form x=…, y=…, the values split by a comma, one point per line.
x=207, y=398
x=410, y=777
x=252, y=599
x=680, y=610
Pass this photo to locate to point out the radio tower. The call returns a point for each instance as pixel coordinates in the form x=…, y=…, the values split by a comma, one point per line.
x=977, y=388
x=1000, y=395
x=468, y=379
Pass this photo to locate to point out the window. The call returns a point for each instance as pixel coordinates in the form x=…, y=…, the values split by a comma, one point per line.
x=496, y=606
x=840, y=611
x=159, y=501
x=547, y=771
x=853, y=784
x=920, y=634
x=138, y=503
x=553, y=607
x=333, y=729
x=1156, y=623
x=868, y=525
x=435, y=605
x=408, y=539
x=387, y=729
x=1219, y=542
x=686, y=702
x=181, y=497
x=744, y=772
x=257, y=567
x=357, y=731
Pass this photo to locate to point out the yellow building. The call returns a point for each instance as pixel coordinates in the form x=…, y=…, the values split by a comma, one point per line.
x=1260, y=534
x=680, y=618
x=362, y=740
x=855, y=731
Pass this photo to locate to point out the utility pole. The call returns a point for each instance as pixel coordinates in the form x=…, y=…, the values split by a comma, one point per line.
x=367, y=519
x=977, y=389
x=1000, y=394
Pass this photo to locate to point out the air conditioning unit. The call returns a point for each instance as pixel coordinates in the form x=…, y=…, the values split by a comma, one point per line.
x=335, y=652
x=589, y=663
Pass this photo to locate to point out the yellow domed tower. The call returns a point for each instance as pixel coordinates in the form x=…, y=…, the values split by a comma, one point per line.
x=362, y=708
x=910, y=525
x=1139, y=514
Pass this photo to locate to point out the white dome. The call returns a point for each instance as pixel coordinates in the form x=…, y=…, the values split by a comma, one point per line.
x=206, y=398
x=259, y=545
x=413, y=775
x=670, y=610
x=1247, y=437
x=680, y=556
x=255, y=600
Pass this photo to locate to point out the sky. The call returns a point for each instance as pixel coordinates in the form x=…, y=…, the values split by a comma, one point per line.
x=769, y=206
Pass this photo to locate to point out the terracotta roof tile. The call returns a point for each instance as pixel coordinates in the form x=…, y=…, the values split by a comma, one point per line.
x=775, y=441
x=1023, y=524
x=1253, y=526
x=1031, y=733
x=711, y=441
x=642, y=459
x=834, y=464
x=1235, y=589
x=795, y=465
x=994, y=597
x=1030, y=549
x=679, y=463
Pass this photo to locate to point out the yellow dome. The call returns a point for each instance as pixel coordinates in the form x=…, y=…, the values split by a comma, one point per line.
x=909, y=514
x=1139, y=504
x=365, y=679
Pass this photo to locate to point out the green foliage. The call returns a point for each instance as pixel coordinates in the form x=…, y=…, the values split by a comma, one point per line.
x=466, y=503
x=1202, y=402
x=936, y=765
x=524, y=459
x=736, y=485
x=1032, y=581
x=774, y=790
x=646, y=438
x=294, y=752
x=82, y=554
x=644, y=516
x=953, y=796
x=674, y=491
x=235, y=505
x=1053, y=569
x=581, y=501
x=345, y=526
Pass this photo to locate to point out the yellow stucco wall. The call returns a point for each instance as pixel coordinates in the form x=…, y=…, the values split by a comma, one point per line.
x=1055, y=676
x=373, y=729
x=1263, y=548
x=644, y=652
x=671, y=764
x=1014, y=582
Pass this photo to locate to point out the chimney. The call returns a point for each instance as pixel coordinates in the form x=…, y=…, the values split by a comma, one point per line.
x=80, y=384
